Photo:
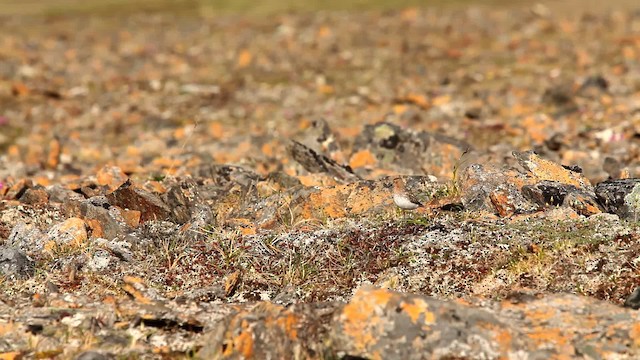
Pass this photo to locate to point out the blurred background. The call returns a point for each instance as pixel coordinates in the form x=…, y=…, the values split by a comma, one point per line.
x=266, y=7
x=167, y=87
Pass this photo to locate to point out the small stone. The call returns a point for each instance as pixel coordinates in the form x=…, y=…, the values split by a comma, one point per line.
x=231, y=283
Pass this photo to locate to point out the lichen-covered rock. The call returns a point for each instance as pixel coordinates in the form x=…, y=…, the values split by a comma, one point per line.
x=495, y=190
x=543, y=169
x=399, y=149
x=620, y=197
x=381, y=324
x=269, y=331
x=551, y=193
x=71, y=232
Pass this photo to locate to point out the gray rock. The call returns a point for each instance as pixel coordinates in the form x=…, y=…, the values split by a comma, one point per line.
x=25, y=237
x=15, y=264
x=621, y=197
x=97, y=208
x=60, y=194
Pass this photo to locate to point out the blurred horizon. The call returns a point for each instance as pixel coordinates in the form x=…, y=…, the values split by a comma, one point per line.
x=268, y=7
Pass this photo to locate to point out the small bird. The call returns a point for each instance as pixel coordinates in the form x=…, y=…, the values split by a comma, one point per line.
x=402, y=198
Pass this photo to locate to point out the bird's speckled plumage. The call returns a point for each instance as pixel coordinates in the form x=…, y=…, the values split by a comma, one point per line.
x=402, y=198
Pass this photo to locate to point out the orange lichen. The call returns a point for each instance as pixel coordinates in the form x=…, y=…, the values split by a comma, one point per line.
x=216, y=130
x=362, y=158
x=544, y=169
x=542, y=335
x=363, y=199
x=538, y=127
x=540, y=316
x=441, y=100
x=419, y=100
x=360, y=320
x=289, y=324
x=244, y=58
x=330, y=201
x=324, y=31
x=634, y=334
x=416, y=308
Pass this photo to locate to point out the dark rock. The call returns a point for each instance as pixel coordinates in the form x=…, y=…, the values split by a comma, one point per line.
x=91, y=190
x=178, y=201
x=573, y=168
x=35, y=196
x=633, y=301
x=15, y=264
x=552, y=193
x=559, y=95
x=318, y=163
x=150, y=206
x=473, y=113
x=593, y=86
x=384, y=135
x=620, y=197
x=555, y=142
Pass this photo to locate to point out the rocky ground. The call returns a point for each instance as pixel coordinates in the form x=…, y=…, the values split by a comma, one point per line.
x=220, y=186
